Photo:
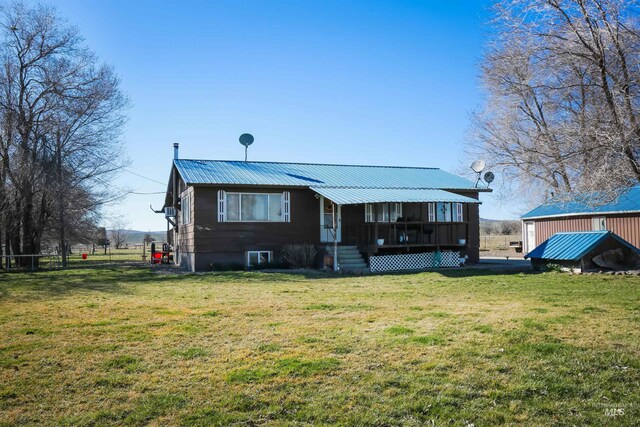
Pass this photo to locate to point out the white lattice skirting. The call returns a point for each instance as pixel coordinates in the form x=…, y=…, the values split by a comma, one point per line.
x=414, y=261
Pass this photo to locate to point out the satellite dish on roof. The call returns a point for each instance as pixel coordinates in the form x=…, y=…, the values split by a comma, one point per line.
x=489, y=177
x=478, y=166
x=246, y=139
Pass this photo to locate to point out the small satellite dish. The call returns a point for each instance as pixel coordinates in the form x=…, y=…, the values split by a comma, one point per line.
x=489, y=177
x=246, y=139
x=478, y=166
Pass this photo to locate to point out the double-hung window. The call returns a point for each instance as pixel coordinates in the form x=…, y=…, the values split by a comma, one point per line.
x=253, y=207
x=185, y=209
x=382, y=212
x=445, y=212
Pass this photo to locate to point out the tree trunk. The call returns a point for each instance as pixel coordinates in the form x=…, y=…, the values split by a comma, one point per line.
x=61, y=213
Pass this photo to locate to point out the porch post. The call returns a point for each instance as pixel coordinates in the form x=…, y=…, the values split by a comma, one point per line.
x=335, y=237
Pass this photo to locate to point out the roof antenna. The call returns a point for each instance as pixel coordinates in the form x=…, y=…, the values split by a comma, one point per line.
x=246, y=139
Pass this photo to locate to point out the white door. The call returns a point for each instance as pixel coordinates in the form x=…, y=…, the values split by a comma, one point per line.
x=530, y=232
x=599, y=223
x=327, y=216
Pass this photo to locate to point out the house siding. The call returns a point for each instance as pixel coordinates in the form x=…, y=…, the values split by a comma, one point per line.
x=185, y=238
x=205, y=241
x=228, y=242
x=473, y=221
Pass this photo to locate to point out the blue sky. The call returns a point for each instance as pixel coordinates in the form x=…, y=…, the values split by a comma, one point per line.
x=388, y=83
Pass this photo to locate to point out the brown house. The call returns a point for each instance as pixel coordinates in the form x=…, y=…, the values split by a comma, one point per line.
x=621, y=216
x=379, y=218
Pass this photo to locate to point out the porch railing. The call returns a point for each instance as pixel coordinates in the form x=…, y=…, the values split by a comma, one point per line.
x=406, y=234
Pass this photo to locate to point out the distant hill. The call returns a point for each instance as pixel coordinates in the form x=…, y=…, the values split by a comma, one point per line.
x=490, y=221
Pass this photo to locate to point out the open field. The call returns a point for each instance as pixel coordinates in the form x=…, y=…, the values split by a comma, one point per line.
x=126, y=346
x=497, y=245
x=133, y=254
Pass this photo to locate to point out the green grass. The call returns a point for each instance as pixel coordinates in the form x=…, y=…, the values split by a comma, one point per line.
x=126, y=346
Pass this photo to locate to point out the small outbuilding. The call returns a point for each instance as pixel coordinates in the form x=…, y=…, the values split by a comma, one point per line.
x=587, y=250
x=621, y=215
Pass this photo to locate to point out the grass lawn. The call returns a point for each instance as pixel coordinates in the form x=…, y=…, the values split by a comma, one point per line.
x=125, y=346
x=112, y=256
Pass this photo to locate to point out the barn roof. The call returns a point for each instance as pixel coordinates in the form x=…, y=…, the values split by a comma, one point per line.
x=573, y=246
x=627, y=202
x=318, y=175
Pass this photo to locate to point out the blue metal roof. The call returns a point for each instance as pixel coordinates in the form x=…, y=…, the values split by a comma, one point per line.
x=573, y=246
x=629, y=201
x=351, y=196
x=318, y=175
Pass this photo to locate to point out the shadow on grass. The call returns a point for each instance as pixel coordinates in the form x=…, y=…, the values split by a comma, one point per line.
x=46, y=284
x=118, y=279
x=453, y=273
x=123, y=278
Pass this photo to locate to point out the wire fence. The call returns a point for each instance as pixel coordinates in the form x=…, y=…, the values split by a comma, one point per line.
x=80, y=257
x=498, y=241
x=31, y=262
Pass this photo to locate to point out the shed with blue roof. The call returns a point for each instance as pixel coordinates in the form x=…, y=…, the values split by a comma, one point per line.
x=234, y=213
x=621, y=216
x=586, y=250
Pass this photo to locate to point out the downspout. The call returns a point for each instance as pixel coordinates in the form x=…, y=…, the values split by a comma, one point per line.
x=174, y=195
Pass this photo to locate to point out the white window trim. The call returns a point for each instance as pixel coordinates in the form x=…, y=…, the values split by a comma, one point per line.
x=185, y=209
x=456, y=209
x=285, y=206
x=370, y=212
x=269, y=255
x=222, y=205
x=458, y=212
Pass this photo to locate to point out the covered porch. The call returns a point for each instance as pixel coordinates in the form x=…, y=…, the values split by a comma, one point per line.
x=401, y=221
x=406, y=236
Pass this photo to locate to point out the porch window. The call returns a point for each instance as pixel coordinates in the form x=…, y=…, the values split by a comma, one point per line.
x=253, y=207
x=445, y=212
x=382, y=212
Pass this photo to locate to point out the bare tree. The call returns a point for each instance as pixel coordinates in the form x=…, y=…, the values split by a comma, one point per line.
x=60, y=118
x=119, y=232
x=563, y=96
x=147, y=239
